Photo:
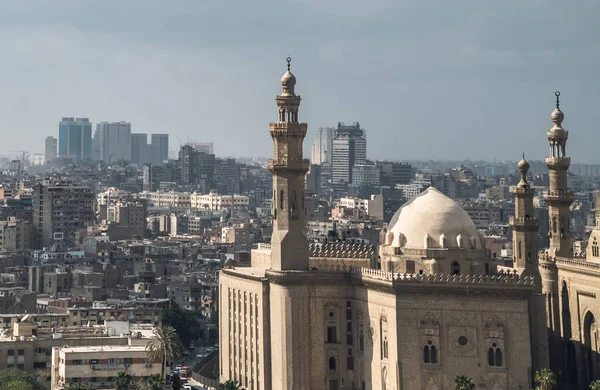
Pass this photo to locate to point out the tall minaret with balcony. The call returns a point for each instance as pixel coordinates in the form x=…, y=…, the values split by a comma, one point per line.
x=289, y=246
x=524, y=225
x=559, y=198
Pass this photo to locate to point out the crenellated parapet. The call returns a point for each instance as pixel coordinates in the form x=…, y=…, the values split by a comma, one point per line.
x=342, y=250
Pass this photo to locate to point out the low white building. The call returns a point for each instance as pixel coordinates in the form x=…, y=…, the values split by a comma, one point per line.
x=98, y=365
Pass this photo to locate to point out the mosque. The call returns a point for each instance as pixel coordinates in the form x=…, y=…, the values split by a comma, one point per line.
x=439, y=307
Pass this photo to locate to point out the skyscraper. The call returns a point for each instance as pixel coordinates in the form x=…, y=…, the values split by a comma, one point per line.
x=321, y=148
x=349, y=147
x=112, y=141
x=75, y=138
x=140, y=153
x=159, y=148
x=50, y=149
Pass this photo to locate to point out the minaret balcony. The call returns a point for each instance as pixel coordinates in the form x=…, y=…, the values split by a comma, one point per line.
x=293, y=129
x=558, y=163
x=291, y=164
x=560, y=197
x=518, y=190
x=527, y=223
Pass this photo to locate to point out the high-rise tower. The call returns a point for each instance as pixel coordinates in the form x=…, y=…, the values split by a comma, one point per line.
x=524, y=225
x=288, y=242
x=559, y=198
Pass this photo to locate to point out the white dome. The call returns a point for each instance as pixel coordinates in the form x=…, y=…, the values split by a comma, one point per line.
x=433, y=220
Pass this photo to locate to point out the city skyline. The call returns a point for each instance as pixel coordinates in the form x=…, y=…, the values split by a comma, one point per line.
x=417, y=77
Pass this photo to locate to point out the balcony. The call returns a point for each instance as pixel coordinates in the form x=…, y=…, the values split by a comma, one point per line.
x=294, y=164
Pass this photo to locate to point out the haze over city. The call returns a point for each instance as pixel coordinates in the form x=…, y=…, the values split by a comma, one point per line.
x=418, y=76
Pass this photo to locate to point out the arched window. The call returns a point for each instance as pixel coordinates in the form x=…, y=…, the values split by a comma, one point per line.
x=554, y=227
x=281, y=202
x=520, y=249
x=455, y=268
x=361, y=340
x=430, y=353
x=385, y=348
x=332, y=364
x=595, y=248
x=495, y=358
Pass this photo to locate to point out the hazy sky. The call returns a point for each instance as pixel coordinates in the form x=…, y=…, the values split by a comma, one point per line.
x=426, y=79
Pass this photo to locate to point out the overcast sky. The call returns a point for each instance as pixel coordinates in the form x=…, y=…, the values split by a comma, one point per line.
x=432, y=79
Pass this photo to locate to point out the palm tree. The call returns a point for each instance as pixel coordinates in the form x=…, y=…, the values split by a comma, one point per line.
x=164, y=347
x=464, y=383
x=595, y=385
x=123, y=381
x=231, y=385
x=545, y=378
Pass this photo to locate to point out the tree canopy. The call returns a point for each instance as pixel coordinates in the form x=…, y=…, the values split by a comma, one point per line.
x=14, y=379
x=184, y=323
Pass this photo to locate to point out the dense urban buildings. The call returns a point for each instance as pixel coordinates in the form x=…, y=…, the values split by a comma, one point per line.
x=349, y=147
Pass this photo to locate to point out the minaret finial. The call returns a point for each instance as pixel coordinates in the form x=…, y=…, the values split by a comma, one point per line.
x=523, y=155
x=557, y=94
x=289, y=61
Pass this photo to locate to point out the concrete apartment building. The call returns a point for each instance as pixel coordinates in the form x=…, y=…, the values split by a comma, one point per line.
x=16, y=234
x=98, y=365
x=60, y=209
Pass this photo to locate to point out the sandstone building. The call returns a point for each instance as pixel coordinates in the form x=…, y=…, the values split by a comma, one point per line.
x=438, y=308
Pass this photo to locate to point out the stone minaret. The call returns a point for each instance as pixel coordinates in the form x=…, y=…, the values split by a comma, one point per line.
x=524, y=225
x=289, y=246
x=559, y=198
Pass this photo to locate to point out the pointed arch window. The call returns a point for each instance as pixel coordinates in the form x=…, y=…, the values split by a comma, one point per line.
x=281, y=200
x=430, y=353
x=495, y=356
x=332, y=364
x=455, y=268
x=554, y=227
x=595, y=251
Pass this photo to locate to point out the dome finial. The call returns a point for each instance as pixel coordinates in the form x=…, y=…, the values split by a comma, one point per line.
x=557, y=115
x=557, y=94
x=289, y=61
x=523, y=166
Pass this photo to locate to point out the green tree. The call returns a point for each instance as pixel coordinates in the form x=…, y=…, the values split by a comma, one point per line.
x=545, y=378
x=123, y=381
x=164, y=346
x=183, y=321
x=153, y=382
x=231, y=385
x=15, y=377
x=464, y=383
x=18, y=385
x=595, y=385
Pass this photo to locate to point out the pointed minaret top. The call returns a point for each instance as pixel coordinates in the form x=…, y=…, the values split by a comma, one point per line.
x=557, y=115
x=288, y=80
x=523, y=166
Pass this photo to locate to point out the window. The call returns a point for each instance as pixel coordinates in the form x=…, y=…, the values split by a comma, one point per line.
x=332, y=364
x=127, y=360
x=361, y=340
x=11, y=352
x=385, y=348
x=495, y=356
x=350, y=360
x=281, y=203
x=21, y=366
x=455, y=268
x=331, y=335
x=595, y=251
x=21, y=352
x=430, y=353
x=76, y=362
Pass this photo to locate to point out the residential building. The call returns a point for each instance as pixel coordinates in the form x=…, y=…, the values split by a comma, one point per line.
x=215, y=202
x=366, y=173
x=75, y=138
x=16, y=234
x=393, y=173
x=59, y=210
